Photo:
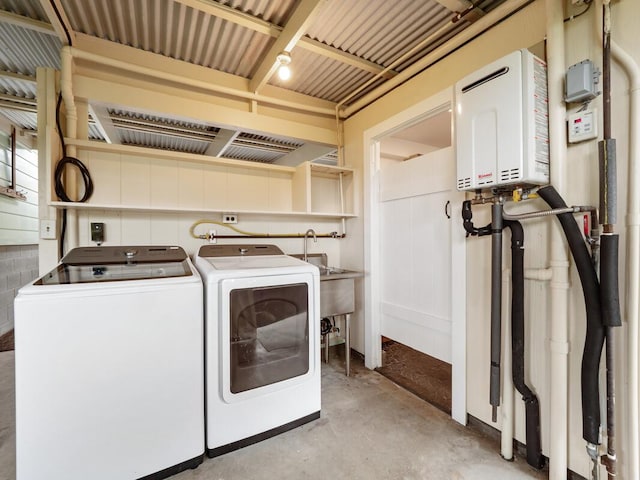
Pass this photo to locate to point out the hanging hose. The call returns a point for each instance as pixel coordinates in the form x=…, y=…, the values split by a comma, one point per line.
x=595, y=331
x=59, y=183
x=532, y=405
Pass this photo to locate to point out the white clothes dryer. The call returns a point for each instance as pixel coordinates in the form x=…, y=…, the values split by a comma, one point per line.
x=110, y=366
x=262, y=328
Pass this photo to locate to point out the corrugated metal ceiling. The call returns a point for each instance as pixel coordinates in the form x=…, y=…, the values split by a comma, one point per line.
x=350, y=40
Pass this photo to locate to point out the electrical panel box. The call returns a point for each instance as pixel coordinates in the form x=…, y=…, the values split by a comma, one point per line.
x=502, y=124
x=581, y=82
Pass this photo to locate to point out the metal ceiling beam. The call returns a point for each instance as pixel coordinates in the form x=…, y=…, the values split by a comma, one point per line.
x=261, y=26
x=59, y=20
x=341, y=56
x=26, y=22
x=223, y=140
x=232, y=15
x=103, y=122
x=17, y=76
x=295, y=28
x=308, y=151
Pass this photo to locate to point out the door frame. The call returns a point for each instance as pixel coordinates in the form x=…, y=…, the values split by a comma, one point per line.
x=372, y=251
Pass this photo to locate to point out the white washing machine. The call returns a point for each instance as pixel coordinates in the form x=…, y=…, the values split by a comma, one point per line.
x=262, y=327
x=110, y=366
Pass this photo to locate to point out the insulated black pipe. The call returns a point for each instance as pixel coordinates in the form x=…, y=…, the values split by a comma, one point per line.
x=611, y=318
x=496, y=306
x=609, y=291
x=595, y=330
x=532, y=406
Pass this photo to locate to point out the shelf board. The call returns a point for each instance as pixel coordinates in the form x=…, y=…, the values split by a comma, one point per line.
x=329, y=170
x=96, y=146
x=135, y=208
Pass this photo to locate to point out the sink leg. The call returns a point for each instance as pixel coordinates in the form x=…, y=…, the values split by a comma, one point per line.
x=326, y=348
x=347, y=343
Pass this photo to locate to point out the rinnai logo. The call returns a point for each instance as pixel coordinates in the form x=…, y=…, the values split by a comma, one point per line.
x=482, y=176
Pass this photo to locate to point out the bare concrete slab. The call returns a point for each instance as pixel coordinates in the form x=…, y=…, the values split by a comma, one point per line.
x=369, y=429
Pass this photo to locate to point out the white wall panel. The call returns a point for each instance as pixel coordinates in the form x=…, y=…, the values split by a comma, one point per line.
x=136, y=229
x=280, y=198
x=215, y=193
x=18, y=218
x=135, y=182
x=190, y=186
x=164, y=183
x=247, y=188
x=105, y=173
x=164, y=229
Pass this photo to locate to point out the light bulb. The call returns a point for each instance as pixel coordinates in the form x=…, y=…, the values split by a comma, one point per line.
x=284, y=72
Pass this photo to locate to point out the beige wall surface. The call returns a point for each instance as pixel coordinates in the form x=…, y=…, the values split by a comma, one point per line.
x=523, y=30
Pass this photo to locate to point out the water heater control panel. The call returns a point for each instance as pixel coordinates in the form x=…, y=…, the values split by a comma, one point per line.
x=502, y=128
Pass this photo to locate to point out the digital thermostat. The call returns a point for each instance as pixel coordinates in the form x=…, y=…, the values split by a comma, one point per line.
x=582, y=126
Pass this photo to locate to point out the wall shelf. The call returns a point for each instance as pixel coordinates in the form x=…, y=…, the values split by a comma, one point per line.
x=139, y=179
x=203, y=211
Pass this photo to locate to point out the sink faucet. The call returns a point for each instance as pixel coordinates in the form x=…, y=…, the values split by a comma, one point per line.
x=306, y=235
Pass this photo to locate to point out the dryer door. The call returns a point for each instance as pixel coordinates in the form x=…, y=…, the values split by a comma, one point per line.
x=268, y=335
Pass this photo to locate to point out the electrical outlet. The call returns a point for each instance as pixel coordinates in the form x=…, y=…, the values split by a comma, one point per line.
x=48, y=229
x=97, y=232
x=212, y=236
x=229, y=218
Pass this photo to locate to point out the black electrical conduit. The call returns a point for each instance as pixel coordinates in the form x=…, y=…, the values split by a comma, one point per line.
x=595, y=335
x=532, y=405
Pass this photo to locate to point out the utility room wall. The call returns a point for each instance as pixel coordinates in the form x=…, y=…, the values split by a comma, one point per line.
x=18, y=223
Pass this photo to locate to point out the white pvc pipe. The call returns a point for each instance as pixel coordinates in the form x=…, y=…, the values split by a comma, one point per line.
x=559, y=338
x=71, y=113
x=540, y=274
x=633, y=255
x=507, y=405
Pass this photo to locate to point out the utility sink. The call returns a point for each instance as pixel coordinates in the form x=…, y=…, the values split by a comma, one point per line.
x=337, y=292
x=336, y=286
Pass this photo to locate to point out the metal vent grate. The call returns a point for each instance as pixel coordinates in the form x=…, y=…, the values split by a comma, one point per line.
x=464, y=182
x=510, y=174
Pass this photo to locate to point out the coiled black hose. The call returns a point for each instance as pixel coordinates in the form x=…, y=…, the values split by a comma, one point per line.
x=59, y=184
x=594, y=339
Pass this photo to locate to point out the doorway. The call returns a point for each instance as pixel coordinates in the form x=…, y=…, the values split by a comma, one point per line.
x=416, y=248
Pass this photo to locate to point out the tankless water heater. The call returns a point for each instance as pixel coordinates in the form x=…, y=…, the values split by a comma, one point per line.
x=502, y=132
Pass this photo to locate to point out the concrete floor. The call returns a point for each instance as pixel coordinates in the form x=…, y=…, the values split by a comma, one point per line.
x=369, y=429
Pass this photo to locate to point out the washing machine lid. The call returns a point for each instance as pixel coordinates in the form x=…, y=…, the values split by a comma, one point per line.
x=110, y=264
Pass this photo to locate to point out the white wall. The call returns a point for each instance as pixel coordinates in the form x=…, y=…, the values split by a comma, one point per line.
x=18, y=218
x=523, y=30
